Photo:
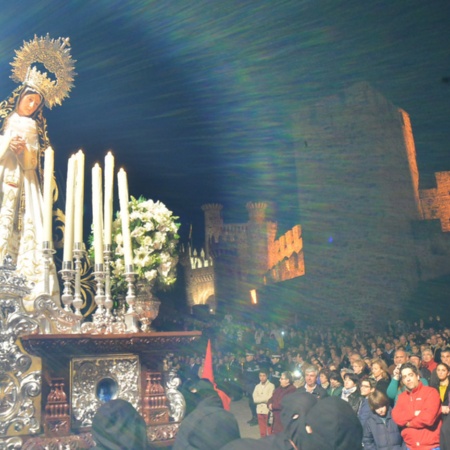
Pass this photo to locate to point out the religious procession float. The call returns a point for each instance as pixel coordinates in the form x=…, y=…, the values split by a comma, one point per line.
x=57, y=367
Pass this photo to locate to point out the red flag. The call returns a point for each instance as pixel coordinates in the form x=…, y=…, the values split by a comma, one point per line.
x=208, y=366
x=208, y=373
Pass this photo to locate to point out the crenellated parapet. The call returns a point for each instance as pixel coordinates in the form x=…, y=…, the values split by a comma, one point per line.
x=435, y=202
x=286, y=259
x=284, y=246
x=199, y=261
x=199, y=275
x=233, y=233
x=256, y=211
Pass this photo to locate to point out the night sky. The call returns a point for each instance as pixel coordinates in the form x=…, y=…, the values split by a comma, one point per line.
x=195, y=97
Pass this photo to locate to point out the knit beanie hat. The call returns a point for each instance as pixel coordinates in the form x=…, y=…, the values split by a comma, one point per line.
x=118, y=426
x=335, y=426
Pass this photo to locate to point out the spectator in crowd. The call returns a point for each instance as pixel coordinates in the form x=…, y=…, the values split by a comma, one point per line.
x=324, y=380
x=395, y=387
x=286, y=387
x=336, y=385
x=388, y=354
x=311, y=385
x=445, y=435
x=440, y=345
x=443, y=373
x=380, y=431
x=424, y=373
x=276, y=369
x=351, y=393
x=428, y=361
x=366, y=387
x=380, y=373
x=417, y=411
x=360, y=368
x=250, y=376
x=400, y=357
x=445, y=358
x=261, y=395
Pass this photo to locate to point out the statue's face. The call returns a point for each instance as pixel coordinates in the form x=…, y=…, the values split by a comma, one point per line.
x=28, y=104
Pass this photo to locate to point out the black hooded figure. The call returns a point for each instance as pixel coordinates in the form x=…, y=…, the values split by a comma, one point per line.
x=294, y=408
x=118, y=426
x=208, y=426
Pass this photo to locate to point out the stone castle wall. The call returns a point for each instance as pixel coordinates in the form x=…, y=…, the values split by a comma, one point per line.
x=357, y=204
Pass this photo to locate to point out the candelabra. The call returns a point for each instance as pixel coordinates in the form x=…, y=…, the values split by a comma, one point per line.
x=131, y=317
x=99, y=275
x=107, y=254
x=47, y=252
x=67, y=274
x=78, y=253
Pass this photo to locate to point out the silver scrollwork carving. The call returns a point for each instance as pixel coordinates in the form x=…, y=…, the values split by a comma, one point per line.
x=88, y=372
x=18, y=387
x=177, y=403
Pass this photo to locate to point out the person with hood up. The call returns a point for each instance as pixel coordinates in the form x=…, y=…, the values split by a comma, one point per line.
x=294, y=408
x=118, y=426
x=208, y=426
x=331, y=425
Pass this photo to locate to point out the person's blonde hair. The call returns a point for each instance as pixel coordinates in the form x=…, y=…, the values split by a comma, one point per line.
x=383, y=366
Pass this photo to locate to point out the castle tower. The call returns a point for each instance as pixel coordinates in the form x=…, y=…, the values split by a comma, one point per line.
x=357, y=201
x=256, y=212
x=213, y=224
x=258, y=234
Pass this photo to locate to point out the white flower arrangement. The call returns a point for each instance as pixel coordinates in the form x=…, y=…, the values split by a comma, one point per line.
x=154, y=239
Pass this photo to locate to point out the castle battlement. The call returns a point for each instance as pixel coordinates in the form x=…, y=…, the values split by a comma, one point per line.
x=435, y=202
x=233, y=232
x=291, y=242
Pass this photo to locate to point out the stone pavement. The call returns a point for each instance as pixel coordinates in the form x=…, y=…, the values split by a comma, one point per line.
x=242, y=413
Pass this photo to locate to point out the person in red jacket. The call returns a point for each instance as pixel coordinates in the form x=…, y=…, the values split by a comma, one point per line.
x=418, y=411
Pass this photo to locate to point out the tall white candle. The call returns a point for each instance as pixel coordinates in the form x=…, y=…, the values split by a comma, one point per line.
x=124, y=215
x=109, y=192
x=48, y=194
x=79, y=198
x=70, y=197
x=97, y=213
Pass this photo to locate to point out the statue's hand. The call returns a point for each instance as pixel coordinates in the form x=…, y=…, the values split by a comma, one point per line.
x=17, y=145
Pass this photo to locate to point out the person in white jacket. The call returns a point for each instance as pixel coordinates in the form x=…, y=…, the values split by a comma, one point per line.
x=262, y=393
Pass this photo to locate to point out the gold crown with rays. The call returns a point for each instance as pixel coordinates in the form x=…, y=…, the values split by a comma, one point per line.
x=54, y=55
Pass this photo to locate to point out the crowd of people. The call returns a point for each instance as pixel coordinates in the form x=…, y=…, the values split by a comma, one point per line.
x=312, y=388
x=395, y=381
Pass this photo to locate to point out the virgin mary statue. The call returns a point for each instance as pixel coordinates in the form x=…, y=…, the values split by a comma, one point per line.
x=23, y=140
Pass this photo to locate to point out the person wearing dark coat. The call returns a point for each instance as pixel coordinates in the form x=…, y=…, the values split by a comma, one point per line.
x=294, y=408
x=380, y=431
x=366, y=386
x=351, y=393
x=331, y=425
x=118, y=426
x=208, y=427
x=445, y=435
x=311, y=386
x=250, y=378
